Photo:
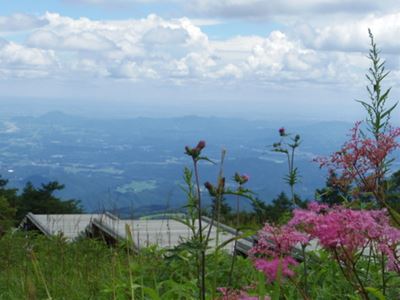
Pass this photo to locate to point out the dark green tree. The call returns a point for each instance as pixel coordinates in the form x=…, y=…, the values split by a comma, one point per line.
x=393, y=190
x=334, y=192
x=43, y=201
x=7, y=215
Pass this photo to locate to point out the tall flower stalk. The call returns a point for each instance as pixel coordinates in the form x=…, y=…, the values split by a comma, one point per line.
x=288, y=145
x=363, y=161
x=240, y=180
x=195, y=154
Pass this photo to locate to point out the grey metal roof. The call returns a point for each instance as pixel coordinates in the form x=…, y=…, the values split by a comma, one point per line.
x=165, y=233
x=70, y=225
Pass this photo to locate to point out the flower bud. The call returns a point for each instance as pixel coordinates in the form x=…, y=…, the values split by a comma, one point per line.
x=245, y=178
x=241, y=179
x=210, y=188
x=201, y=145
x=282, y=131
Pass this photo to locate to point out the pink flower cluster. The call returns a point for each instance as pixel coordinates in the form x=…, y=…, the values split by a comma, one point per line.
x=362, y=156
x=342, y=231
x=274, y=249
x=347, y=231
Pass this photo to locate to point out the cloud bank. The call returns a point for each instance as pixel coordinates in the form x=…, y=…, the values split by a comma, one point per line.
x=176, y=51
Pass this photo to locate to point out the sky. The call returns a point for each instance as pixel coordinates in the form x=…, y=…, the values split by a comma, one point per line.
x=275, y=59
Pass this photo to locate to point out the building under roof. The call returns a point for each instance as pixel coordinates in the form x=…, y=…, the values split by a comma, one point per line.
x=165, y=233
x=70, y=226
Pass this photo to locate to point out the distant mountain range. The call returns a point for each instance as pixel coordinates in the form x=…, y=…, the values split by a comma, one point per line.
x=136, y=165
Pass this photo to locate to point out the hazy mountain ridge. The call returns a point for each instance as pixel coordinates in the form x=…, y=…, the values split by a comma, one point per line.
x=97, y=159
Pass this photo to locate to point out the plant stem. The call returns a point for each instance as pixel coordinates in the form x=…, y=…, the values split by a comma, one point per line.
x=39, y=273
x=217, y=199
x=202, y=250
x=303, y=248
x=353, y=269
x=383, y=275
x=235, y=245
x=302, y=292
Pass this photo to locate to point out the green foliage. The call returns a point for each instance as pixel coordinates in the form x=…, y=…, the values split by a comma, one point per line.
x=88, y=269
x=14, y=206
x=393, y=190
x=333, y=193
x=42, y=200
x=378, y=114
x=7, y=215
x=277, y=212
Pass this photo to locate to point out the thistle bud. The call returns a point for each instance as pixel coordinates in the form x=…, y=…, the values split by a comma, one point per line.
x=241, y=179
x=195, y=152
x=221, y=185
x=200, y=146
x=210, y=188
x=282, y=131
x=245, y=178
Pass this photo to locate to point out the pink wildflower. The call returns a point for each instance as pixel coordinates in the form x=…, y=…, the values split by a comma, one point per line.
x=278, y=241
x=274, y=248
x=270, y=267
x=346, y=231
x=360, y=159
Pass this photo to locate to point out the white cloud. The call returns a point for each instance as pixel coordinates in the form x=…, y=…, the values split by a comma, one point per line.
x=274, y=8
x=110, y=2
x=176, y=51
x=15, y=54
x=133, y=48
x=19, y=61
x=353, y=35
x=20, y=22
x=83, y=41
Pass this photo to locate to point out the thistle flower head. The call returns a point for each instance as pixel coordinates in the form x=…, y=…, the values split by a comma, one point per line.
x=210, y=188
x=196, y=151
x=241, y=179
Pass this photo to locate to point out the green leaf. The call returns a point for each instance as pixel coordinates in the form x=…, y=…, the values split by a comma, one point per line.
x=377, y=293
x=276, y=294
x=152, y=293
x=261, y=285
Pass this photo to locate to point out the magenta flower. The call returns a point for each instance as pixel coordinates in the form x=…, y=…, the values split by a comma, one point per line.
x=278, y=241
x=346, y=232
x=274, y=249
x=282, y=131
x=360, y=158
x=270, y=267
